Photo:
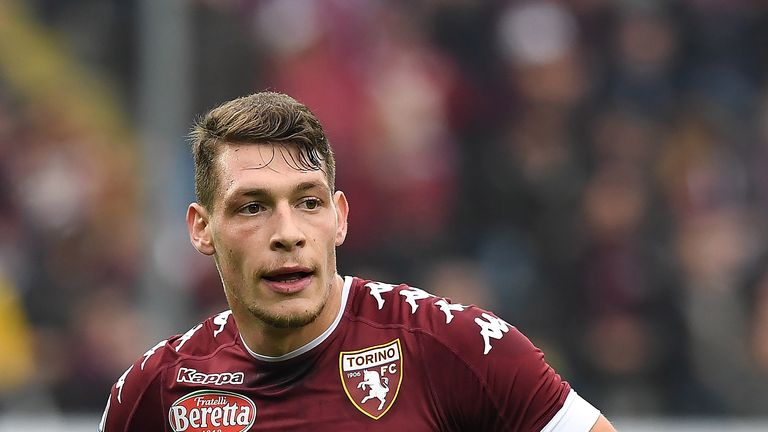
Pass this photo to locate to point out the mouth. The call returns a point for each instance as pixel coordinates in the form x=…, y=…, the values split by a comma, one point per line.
x=288, y=280
x=288, y=274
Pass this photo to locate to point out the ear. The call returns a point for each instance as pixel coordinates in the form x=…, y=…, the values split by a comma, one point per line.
x=342, y=211
x=198, y=224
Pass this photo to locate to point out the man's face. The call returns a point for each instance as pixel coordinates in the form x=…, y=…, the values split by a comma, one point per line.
x=273, y=232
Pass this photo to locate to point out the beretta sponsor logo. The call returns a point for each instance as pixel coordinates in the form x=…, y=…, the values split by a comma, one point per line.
x=371, y=377
x=208, y=410
x=192, y=376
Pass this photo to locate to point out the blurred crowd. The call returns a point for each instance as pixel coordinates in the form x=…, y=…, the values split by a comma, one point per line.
x=594, y=171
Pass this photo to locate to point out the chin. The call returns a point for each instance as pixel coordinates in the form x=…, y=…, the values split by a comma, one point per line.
x=287, y=319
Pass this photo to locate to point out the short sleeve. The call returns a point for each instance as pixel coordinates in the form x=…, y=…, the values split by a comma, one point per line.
x=576, y=415
x=134, y=402
x=491, y=377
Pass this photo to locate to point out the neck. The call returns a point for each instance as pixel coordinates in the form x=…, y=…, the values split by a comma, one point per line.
x=267, y=340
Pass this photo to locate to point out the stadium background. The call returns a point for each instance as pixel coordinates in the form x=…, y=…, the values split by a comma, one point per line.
x=595, y=171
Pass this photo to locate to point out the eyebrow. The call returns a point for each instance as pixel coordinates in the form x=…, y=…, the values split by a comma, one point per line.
x=301, y=187
x=309, y=185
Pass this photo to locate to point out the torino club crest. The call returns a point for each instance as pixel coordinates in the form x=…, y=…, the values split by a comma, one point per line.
x=372, y=376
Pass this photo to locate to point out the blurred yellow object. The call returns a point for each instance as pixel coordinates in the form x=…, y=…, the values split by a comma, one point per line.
x=38, y=65
x=16, y=361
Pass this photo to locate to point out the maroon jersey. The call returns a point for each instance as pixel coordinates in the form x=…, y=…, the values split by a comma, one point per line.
x=396, y=358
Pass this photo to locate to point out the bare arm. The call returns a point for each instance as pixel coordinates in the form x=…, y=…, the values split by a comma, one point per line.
x=602, y=425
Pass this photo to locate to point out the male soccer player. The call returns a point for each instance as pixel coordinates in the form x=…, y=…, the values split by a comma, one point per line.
x=303, y=348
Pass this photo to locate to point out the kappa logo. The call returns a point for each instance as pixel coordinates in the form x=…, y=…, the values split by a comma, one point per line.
x=372, y=375
x=212, y=410
x=192, y=376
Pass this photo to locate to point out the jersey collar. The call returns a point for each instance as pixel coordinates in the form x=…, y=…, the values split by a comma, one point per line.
x=316, y=341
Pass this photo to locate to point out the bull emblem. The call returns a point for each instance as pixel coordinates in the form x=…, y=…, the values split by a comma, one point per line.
x=374, y=372
x=378, y=387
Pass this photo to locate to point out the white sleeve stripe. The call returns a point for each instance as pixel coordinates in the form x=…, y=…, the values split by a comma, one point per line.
x=576, y=415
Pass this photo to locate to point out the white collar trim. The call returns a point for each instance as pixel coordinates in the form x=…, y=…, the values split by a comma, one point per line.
x=316, y=341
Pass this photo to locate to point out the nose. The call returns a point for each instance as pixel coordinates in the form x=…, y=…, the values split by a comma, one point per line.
x=286, y=235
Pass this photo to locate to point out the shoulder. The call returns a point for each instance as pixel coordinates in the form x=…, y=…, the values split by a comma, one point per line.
x=464, y=327
x=506, y=382
x=135, y=397
x=201, y=340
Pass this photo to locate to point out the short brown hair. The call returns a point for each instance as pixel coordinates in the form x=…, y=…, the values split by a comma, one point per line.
x=260, y=118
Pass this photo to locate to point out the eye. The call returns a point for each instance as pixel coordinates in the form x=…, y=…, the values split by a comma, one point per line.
x=311, y=203
x=252, y=208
